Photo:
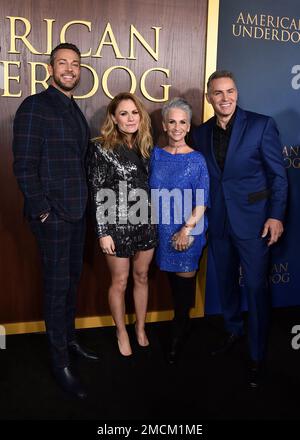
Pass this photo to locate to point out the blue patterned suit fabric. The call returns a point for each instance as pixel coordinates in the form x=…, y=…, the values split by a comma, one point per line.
x=187, y=175
x=49, y=157
x=49, y=147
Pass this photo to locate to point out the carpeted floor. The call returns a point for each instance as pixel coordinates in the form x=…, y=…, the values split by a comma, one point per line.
x=198, y=388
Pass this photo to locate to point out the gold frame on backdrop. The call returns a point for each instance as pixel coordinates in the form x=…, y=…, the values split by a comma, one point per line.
x=198, y=310
x=211, y=50
x=210, y=66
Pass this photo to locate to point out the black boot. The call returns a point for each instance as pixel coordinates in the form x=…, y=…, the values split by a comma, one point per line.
x=175, y=349
x=183, y=291
x=69, y=382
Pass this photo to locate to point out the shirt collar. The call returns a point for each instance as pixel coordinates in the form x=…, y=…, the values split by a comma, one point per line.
x=62, y=97
x=229, y=123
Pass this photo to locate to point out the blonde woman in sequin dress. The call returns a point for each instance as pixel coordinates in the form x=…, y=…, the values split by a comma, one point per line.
x=119, y=163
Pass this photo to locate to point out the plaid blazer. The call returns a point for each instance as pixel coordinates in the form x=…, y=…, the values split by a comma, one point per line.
x=49, y=157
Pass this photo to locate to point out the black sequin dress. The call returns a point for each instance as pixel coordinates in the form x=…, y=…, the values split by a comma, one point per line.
x=118, y=182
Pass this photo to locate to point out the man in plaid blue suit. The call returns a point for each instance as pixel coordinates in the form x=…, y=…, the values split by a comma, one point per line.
x=50, y=143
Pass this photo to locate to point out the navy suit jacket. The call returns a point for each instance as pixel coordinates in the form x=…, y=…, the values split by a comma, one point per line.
x=49, y=156
x=253, y=185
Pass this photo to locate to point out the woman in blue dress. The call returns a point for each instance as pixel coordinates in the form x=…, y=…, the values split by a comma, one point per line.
x=179, y=185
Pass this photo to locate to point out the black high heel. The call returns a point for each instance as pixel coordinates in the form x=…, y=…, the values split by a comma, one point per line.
x=119, y=348
x=143, y=347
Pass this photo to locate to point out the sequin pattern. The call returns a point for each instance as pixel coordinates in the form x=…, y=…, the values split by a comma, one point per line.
x=180, y=171
x=113, y=169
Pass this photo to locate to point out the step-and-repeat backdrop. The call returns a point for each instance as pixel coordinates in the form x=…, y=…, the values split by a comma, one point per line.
x=157, y=50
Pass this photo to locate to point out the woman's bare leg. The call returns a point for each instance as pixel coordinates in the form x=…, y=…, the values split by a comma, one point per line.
x=119, y=270
x=141, y=262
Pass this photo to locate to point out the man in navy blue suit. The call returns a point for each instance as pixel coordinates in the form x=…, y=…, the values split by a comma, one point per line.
x=50, y=142
x=248, y=191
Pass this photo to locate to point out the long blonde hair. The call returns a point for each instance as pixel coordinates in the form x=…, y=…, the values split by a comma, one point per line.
x=111, y=136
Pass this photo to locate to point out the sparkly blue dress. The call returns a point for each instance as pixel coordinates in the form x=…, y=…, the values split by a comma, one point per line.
x=186, y=176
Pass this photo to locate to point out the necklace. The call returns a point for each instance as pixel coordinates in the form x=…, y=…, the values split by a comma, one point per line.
x=176, y=147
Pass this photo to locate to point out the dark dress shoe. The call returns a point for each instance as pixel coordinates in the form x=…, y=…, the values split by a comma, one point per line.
x=255, y=374
x=69, y=382
x=78, y=351
x=226, y=345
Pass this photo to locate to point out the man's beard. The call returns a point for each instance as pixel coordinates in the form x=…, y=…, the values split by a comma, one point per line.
x=65, y=87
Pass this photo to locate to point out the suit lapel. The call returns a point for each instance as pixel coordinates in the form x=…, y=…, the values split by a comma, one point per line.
x=238, y=129
x=82, y=116
x=210, y=144
x=87, y=130
x=63, y=111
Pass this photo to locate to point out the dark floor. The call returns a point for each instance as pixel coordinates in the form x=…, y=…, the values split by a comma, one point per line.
x=199, y=388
